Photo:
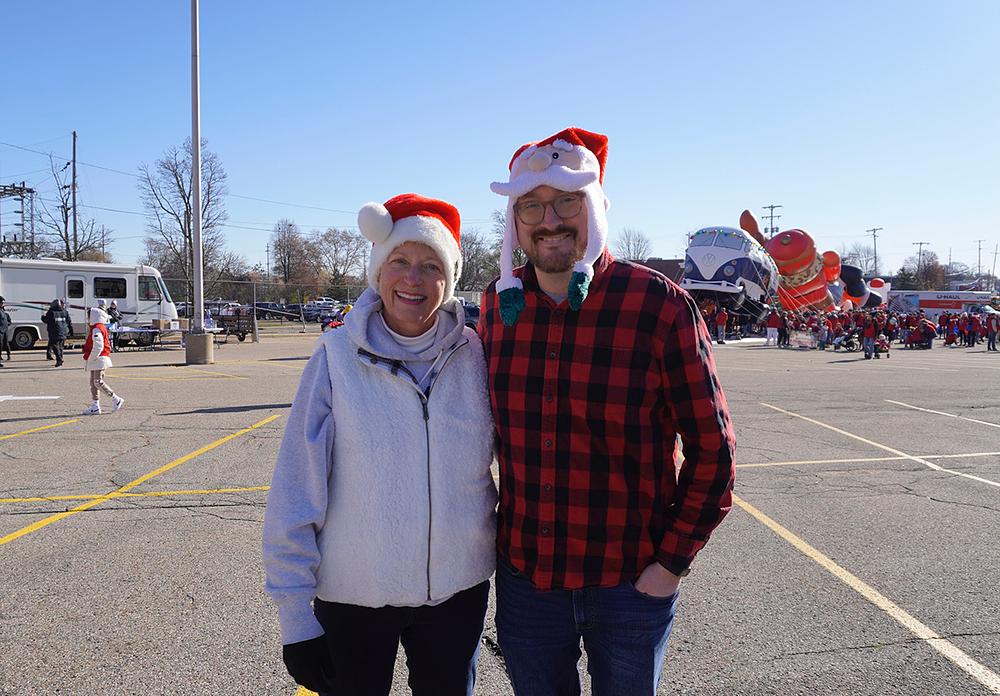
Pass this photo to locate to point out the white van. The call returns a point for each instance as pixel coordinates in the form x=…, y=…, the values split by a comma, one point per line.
x=30, y=285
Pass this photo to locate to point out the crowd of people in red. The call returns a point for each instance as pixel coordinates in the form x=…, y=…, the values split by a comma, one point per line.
x=874, y=330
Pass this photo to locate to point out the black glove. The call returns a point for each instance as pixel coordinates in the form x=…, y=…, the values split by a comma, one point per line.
x=309, y=664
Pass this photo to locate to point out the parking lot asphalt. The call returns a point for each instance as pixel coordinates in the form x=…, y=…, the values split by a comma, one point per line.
x=860, y=557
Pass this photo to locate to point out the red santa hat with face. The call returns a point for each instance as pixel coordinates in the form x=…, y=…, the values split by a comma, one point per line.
x=411, y=217
x=571, y=160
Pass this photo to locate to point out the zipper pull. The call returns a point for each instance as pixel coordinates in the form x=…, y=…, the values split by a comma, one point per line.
x=427, y=416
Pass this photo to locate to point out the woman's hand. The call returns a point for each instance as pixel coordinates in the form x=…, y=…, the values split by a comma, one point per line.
x=309, y=664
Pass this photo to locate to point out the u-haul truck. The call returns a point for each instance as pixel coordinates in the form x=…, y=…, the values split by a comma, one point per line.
x=934, y=302
x=30, y=285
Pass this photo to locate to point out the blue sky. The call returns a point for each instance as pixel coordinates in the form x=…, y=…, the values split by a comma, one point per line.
x=851, y=115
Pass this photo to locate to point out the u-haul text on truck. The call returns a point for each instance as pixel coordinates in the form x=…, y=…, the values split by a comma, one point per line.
x=30, y=285
x=934, y=302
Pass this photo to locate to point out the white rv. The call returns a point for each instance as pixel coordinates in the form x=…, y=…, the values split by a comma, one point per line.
x=30, y=285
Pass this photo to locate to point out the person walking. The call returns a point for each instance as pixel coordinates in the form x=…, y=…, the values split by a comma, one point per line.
x=4, y=328
x=380, y=525
x=869, y=332
x=97, y=353
x=59, y=327
x=596, y=368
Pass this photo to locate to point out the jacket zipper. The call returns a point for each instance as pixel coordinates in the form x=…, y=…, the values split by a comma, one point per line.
x=424, y=399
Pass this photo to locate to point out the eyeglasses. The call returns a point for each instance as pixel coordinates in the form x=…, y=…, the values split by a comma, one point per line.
x=533, y=212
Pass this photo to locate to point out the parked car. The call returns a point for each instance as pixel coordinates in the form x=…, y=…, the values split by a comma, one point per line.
x=471, y=314
x=269, y=310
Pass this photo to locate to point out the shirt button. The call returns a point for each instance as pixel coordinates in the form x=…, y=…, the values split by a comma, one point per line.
x=548, y=396
x=552, y=354
x=548, y=487
x=548, y=443
x=545, y=530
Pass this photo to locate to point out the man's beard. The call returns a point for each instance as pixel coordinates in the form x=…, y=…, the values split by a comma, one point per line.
x=554, y=261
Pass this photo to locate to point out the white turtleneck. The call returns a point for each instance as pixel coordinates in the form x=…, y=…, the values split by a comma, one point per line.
x=413, y=344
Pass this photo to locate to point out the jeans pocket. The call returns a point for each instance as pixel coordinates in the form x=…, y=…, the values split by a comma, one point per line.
x=648, y=597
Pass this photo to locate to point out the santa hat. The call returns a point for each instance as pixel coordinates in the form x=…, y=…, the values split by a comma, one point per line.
x=97, y=316
x=570, y=160
x=413, y=218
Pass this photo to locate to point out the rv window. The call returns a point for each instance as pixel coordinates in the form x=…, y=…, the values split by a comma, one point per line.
x=109, y=287
x=74, y=289
x=148, y=289
x=729, y=241
x=703, y=239
x=163, y=289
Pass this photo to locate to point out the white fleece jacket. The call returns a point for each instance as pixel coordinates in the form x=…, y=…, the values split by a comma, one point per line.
x=382, y=494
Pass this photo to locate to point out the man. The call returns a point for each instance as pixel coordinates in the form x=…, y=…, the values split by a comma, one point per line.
x=596, y=366
x=992, y=329
x=4, y=326
x=721, y=319
x=59, y=327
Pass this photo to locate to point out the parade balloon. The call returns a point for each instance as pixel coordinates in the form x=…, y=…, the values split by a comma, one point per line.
x=831, y=266
x=800, y=270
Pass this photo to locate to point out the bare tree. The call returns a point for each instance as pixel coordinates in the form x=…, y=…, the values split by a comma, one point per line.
x=165, y=191
x=88, y=241
x=293, y=253
x=632, y=245
x=342, y=254
x=499, y=230
x=479, y=261
x=926, y=271
x=860, y=255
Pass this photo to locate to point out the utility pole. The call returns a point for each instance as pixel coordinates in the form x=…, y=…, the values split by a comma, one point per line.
x=771, y=230
x=267, y=269
x=874, y=233
x=993, y=273
x=979, y=259
x=920, y=256
x=76, y=242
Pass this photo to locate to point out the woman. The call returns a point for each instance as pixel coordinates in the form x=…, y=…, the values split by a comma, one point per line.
x=97, y=353
x=382, y=504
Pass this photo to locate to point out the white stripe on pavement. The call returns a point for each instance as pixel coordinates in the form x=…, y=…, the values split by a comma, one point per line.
x=942, y=413
x=880, y=446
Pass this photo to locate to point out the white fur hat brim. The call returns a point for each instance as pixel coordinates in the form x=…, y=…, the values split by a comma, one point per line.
x=425, y=230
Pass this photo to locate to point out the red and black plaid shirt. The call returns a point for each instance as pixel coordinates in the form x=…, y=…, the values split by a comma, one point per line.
x=588, y=405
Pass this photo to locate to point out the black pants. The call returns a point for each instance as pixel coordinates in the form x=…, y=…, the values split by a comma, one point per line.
x=441, y=644
x=56, y=346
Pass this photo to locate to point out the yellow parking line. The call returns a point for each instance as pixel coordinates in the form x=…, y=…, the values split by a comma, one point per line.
x=210, y=372
x=151, y=494
x=35, y=430
x=868, y=459
x=979, y=672
x=35, y=526
x=904, y=455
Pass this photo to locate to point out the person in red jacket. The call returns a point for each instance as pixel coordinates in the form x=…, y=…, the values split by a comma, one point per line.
x=97, y=353
x=720, y=324
x=773, y=322
x=992, y=329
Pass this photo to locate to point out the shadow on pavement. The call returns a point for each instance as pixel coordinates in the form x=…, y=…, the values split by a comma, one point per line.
x=228, y=409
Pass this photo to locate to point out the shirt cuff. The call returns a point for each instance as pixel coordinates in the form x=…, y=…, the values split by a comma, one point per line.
x=298, y=623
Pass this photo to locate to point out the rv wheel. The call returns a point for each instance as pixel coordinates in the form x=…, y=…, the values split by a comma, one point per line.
x=24, y=339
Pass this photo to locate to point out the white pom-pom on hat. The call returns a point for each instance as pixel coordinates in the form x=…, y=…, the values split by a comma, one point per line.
x=375, y=222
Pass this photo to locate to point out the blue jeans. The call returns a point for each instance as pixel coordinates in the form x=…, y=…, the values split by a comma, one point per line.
x=869, y=345
x=624, y=633
x=991, y=340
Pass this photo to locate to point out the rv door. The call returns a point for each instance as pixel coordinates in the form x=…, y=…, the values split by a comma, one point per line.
x=74, y=295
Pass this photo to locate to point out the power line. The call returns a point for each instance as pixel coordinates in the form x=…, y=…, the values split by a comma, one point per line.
x=772, y=230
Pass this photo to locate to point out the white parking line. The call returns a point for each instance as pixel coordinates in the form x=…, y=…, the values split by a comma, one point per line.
x=904, y=455
x=856, y=460
x=942, y=413
x=976, y=670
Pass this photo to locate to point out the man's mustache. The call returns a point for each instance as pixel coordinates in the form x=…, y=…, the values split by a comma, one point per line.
x=550, y=232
